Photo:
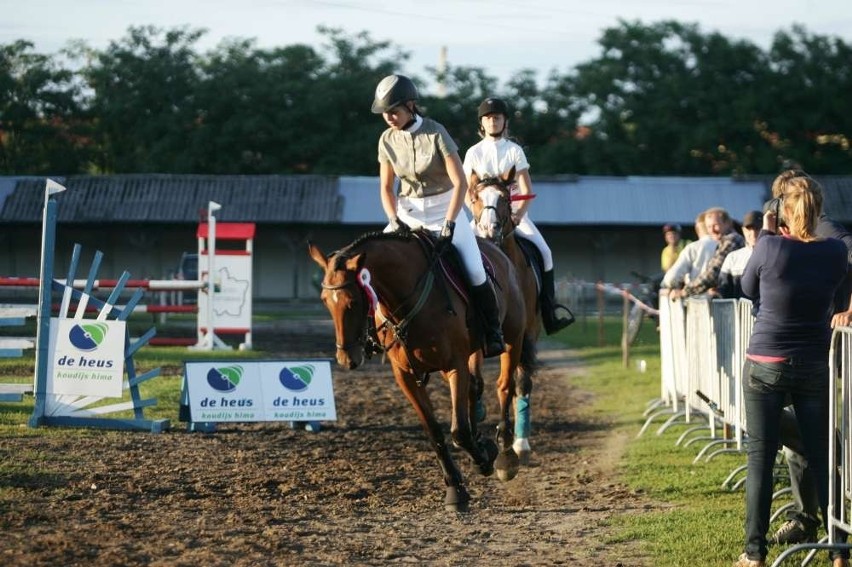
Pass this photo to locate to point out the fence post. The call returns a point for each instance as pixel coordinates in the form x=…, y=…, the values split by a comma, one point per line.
x=600, y=292
x=625, y=343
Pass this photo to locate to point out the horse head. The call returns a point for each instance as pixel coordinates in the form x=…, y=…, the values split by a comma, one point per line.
x=492, y=206
x=345, y=297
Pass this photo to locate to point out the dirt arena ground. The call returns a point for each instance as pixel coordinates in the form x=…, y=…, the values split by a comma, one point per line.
x=365, y=490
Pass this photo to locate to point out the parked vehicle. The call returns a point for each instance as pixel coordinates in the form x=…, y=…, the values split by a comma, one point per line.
x=187, y=270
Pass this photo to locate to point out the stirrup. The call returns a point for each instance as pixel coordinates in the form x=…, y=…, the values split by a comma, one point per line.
x=570, y=318
x=554, y=324
x=493, y=346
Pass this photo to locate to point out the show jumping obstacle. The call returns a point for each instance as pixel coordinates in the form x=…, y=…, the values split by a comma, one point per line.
x=231, y=305
x=53, y=409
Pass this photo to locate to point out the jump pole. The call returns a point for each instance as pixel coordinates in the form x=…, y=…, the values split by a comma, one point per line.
x=48, y=244
x=210, y=341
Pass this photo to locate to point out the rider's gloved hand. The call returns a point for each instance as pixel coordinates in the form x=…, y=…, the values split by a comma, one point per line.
x=446, y=236
x=399, y=227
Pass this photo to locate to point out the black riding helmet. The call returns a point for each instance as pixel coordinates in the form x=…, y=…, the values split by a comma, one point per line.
x=493, y=106
x=392, y=91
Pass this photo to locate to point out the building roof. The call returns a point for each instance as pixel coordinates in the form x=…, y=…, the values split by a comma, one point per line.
x=316, y=199
x=595, y=200
x=180, y=199
x=599, y=201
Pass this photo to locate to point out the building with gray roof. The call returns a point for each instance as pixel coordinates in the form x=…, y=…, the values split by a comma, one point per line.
x=600, y=228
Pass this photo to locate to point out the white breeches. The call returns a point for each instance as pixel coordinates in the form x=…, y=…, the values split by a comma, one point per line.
x=528, y=230
x=429, y=213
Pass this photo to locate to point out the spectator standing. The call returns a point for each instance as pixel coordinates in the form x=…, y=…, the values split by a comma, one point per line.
x=803, y=518
x=700, y=227
x=692, y=260
x=794, y=276
x=695, y=276
x=674, y=246
x=732, y=269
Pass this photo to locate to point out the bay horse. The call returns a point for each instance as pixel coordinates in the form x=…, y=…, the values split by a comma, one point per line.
x=491, y=207
x=387, y=288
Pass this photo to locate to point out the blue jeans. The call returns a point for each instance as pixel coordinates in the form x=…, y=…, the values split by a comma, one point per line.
x=767, y=388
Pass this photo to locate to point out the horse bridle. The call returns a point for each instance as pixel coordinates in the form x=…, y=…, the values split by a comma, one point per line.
x=498, y=184
x=361, y=338
x=399, y=330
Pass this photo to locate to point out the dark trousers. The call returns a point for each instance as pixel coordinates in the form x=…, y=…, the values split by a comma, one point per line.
x=767, y=387
x=802, y=482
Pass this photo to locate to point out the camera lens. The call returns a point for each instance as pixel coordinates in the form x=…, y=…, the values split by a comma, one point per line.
x=772, y=205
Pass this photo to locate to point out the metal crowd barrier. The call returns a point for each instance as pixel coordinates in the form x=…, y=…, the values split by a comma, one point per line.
x=840, y=448
x=702, y=351
x=840, y=414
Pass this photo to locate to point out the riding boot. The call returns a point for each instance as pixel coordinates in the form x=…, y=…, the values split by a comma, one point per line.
x=552, y=322
x=486, y=303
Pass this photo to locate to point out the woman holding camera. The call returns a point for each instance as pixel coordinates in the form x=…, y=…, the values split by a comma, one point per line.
x=792, y=276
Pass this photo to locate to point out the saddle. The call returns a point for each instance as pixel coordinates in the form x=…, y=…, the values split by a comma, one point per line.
x=451, y=275
x=533, y=257
x=449, y=264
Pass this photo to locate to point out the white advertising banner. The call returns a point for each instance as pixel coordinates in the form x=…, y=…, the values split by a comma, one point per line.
x=86, y=357
x=292, y=390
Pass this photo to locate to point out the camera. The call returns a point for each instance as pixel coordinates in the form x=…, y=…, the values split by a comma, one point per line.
x=775, y=205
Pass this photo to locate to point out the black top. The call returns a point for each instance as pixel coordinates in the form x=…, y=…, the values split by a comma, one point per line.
x=794, y=283
x=827, y=228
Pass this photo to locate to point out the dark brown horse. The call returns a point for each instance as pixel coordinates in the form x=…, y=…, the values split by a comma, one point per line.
x=492, y=213
x=386, y=286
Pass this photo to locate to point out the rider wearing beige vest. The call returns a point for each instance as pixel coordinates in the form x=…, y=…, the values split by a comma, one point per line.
x=422, y=155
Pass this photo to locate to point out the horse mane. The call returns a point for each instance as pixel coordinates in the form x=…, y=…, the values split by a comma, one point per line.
x=494, y=181
x=344, y=253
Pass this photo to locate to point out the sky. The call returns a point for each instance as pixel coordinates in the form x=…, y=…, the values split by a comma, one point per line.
x=501, y=36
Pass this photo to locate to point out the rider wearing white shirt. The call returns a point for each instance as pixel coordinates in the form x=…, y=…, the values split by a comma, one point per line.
x=496, y=155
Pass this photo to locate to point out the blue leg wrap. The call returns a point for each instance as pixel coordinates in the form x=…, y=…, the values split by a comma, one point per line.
x=522, y=417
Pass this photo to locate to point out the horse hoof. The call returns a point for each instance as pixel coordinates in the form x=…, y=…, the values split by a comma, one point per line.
x=507, y=465
x=488, y=447
x=457, y=499
x=522, y=449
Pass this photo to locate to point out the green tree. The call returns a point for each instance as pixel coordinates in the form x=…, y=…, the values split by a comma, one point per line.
x=144, y=87
x=805, y=115
x=667, y=99
x=545, y=122
x=459, y=90
x=292, y=109
x=42, y=127
x=252, y=104
x=344, y=132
